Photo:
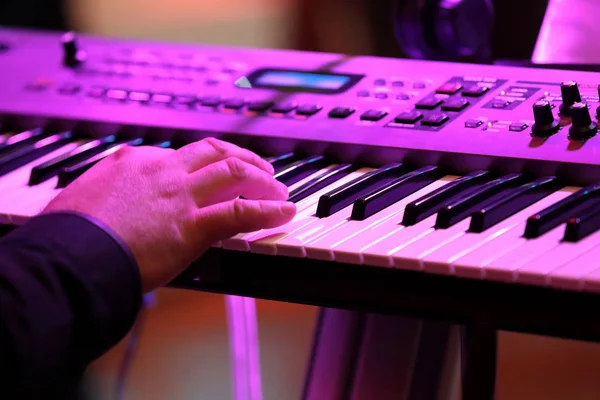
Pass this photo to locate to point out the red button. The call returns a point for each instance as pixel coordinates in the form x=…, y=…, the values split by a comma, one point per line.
x=449, y=88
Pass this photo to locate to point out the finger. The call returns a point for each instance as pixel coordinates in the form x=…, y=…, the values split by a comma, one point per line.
x=197, y=155
x=231, y=178
x=224, y=220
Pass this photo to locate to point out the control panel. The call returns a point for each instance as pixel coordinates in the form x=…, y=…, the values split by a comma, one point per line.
x=497, y=111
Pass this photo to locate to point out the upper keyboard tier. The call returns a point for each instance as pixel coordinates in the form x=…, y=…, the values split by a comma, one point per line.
x=435, y=112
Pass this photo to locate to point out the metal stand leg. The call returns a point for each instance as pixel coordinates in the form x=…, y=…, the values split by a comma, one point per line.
x=479, y=348
x=367, y=356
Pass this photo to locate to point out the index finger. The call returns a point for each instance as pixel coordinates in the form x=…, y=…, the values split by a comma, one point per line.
x=200, y=154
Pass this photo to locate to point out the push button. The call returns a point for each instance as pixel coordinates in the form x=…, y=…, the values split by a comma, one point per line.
x=116, y=94
x=397, y=84
x=96, y=92
x=379, y=82
x=475, y=90
x=456, y=104
x=308, y=109
x=402, y=96
x=373, y=115
x=234, y=104
x=500, y=104
x=260, y=106
x=283, y=108
x=341, y=112
x=449, y=88
x=408, y=117
x=434, y=120
x=363, y=93
x=186, y=101
x=69, y=89
x=210, y=101
x=381, y=95
x=473, y=123
x=429, y=103
x=517, y=126
x=139, y=96
x=162, y=98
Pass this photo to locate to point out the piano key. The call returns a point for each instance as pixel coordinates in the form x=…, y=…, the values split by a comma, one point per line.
x=442, y=259
x=241, y=241
x=351, y=250
x=537, y=271
x=432, y=202
x=72, y=172
x=591, y=282
x=345, y=195
x=472, y=261
x=465, y=204
x=319, y=181
x=282, y=160
x=324, y=247
x=50, y=168
x=294, y=172
x=558, y=213
x=513, y=202
x=19, y=140
x=583, y=224
x=265, y=241
x=395, y=191
x=572, y=275
x=22, y=156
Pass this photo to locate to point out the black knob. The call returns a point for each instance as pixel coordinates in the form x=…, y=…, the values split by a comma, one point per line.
x=544, y=122
x=570, y=95
x=72, y=56
x=582, y=125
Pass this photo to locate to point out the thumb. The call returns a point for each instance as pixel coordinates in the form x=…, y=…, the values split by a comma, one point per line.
x=224, y=220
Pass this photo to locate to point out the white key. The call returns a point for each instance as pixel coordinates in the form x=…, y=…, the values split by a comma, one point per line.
x=264, y=240
x=443, y=259
x=474, y=263
x=322, y=248
x=591, y=282
x=571, y=276
x=537, y=270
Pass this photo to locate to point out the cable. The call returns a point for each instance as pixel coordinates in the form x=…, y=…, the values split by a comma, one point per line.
x=131, y=345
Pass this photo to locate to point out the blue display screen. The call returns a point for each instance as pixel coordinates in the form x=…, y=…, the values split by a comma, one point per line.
x=297, y=79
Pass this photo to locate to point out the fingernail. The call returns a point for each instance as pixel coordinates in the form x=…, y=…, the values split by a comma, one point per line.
x=288, y=208
x=270, y=168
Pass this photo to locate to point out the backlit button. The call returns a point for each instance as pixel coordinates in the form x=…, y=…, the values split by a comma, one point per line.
x=115, y=94
x=449, y=88
x=260, y=106
x=162, y=99
x=517, y=126
x=408, y=117
x=308, y=109
x=234, y=104
x=139, y=96
x=96, y=92
x=500, y=104
x=456, y=104
x=284, y=107
x=341, y=112
x=373, y=115
x=434, y=120
x=475, y=91
x=429, y=103
x=473, y=123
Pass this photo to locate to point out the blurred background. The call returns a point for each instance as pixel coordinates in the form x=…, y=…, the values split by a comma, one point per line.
x=183, y=349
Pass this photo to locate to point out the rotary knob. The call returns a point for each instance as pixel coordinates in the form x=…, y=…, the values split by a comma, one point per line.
x=72, y=55
x=544, y=122
x=570, y=95
x=582, y=127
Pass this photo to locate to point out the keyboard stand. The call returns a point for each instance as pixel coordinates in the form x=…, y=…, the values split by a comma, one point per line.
x=360, y=356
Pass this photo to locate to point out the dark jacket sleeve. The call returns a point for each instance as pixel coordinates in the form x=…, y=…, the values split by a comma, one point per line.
x=69, y=291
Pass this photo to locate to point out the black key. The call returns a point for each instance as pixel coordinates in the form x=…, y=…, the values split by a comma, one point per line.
x=47, y=170
x=281, y=161
x=20, y=157
x=429, y=204
x=398, y=189
x=558, y=213
x=466, y=203
x=347, y=194
x=515, y=201
x=300, y=169
x=585, y=223
x=320, y=182
x=70, y=173
x=166, y=144
x=22, y=139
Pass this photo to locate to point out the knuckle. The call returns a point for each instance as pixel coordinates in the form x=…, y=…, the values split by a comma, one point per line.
x=238, y=210
x=214, y=144
x=236, y=168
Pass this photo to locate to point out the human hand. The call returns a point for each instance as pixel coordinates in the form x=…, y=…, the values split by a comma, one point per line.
x=169, y=205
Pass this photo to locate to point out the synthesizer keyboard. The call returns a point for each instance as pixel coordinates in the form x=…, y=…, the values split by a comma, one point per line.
x=479, y=183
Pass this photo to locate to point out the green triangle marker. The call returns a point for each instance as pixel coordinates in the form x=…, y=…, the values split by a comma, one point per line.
x=243, y=82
